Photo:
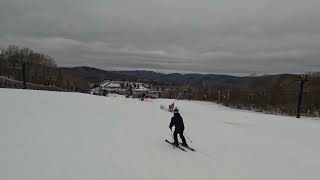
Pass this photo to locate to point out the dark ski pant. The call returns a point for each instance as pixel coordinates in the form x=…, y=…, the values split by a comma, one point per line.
x=175, y=137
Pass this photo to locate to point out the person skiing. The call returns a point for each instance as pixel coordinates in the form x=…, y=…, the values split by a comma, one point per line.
x=177, y=121
x=171, y=106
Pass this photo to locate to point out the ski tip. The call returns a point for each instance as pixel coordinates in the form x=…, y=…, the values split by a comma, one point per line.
x=188, y=147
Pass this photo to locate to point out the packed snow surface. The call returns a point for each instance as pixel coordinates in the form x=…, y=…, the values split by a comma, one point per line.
x=73, y=136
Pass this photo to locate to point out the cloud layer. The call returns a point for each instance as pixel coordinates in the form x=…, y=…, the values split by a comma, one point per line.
x=216, y=36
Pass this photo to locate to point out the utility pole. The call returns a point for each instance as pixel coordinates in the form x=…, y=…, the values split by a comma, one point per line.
x=228, y=94
x=24, y=75
x=228, y=97
x=301, y=81
x=25, y=57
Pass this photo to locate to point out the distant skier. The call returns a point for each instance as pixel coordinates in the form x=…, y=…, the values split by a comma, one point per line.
x=143, y=96
x=171, y=106
x=177, y=121
x=130, y=91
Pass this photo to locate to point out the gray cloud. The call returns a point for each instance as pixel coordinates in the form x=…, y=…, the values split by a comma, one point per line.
x=216, y=36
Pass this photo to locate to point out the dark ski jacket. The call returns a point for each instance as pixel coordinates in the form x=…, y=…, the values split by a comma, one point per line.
x=177, y=121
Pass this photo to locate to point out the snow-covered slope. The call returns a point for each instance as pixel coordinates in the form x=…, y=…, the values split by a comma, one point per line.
x=71, y=136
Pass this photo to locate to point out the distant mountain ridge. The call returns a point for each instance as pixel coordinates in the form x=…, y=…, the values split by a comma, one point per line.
x=97, y=75
x=181, y=79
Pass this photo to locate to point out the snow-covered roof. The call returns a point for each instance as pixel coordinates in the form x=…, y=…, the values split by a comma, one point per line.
x=142, y=89
x=117, y=84
x=110, y=85
x=114, y=85
x=104, y=84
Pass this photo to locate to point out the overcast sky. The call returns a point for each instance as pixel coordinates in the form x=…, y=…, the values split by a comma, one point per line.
x=215, y=36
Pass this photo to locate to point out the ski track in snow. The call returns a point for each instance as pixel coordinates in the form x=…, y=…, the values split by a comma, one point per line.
x=74, y=136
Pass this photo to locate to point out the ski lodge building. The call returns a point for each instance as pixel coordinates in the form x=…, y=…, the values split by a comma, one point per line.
x=136, y=89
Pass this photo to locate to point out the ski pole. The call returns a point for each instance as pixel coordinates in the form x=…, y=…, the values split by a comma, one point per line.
x=188, y=138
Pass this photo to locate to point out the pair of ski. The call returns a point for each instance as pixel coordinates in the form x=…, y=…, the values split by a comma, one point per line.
x=180, y=147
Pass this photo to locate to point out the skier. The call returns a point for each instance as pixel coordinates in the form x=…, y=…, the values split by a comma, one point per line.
x=143, y=96
x=130, y=91
x=177, y=121
x=171, y=106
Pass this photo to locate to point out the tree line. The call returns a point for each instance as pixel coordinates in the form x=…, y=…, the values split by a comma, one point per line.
x=278, y=95
x=38, y=68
